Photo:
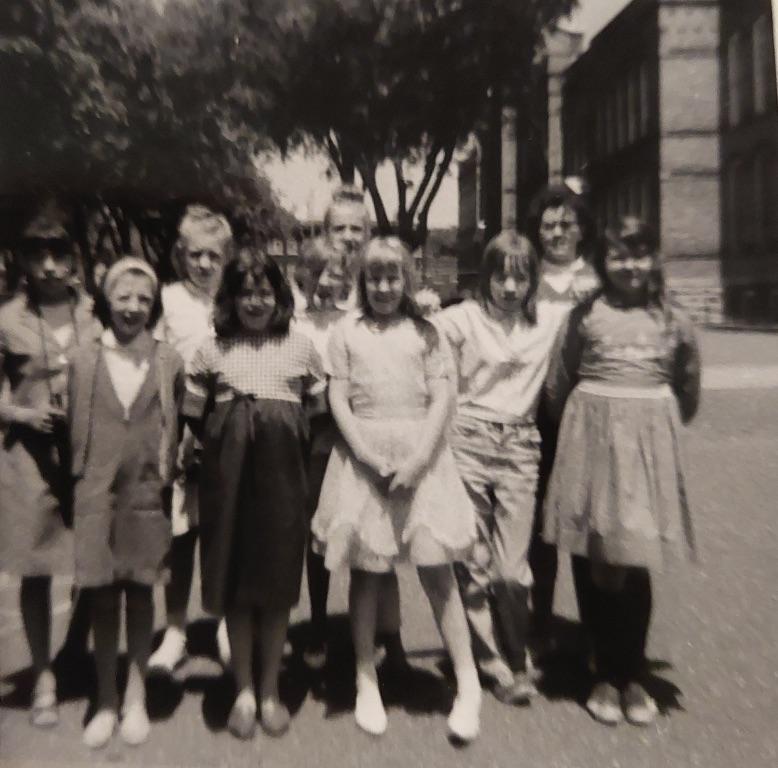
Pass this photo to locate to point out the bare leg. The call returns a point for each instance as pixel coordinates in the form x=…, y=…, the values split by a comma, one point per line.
x=105, y=628
x=140, y=619
x=363, y=603
x=173, y=648
x=240, y=629
x=388, y=620
x=440, y=585
x=273, y=623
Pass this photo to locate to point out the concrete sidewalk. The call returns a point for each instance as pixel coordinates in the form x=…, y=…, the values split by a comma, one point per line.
x=738, y=359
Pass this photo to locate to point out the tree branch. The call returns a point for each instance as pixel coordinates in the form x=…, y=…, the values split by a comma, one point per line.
x=429, y=170
x=439, y=176
x=334, y=153
x=368, y=177
x=402, y=191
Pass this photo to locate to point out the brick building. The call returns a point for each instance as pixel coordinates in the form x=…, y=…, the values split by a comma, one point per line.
x=749, y=147
x=641, y=114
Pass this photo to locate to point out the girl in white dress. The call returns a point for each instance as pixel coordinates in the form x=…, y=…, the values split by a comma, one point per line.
x=391, y=492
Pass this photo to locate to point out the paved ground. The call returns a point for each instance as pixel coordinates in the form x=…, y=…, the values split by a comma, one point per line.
x=713, y=646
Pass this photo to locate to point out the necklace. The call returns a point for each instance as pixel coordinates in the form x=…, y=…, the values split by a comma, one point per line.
x=54, y=399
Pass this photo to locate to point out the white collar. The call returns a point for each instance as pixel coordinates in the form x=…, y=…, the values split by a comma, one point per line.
x=560, y=276
x=139, y=348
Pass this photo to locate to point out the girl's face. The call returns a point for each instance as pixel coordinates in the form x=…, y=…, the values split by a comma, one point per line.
x=560, y=235
x=384, y=286
x=255, y=304
x=330, y=287
x=131, y=302
x=49, y=265
x=628, y=272
x=203, y=268
x=508, y=288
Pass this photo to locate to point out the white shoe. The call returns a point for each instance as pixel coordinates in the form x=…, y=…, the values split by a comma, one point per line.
x=369, y=712
x=638, y=706
x=100, y=729
x=223, y=644
x=464, y=720
x=135, y=727
x=171, y=652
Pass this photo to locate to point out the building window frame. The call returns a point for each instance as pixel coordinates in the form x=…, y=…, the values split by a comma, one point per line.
x=734, y=62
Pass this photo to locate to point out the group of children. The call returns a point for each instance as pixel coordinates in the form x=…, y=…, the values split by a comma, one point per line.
x=348, y=428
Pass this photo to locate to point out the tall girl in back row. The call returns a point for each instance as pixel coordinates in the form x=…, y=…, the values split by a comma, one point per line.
x=626, y=372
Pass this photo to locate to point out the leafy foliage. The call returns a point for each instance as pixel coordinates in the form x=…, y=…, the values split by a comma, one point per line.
x=133, y=109
x=131, y=113
x=405, y=81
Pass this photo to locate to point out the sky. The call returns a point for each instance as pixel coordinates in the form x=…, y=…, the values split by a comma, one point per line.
x=304, y=183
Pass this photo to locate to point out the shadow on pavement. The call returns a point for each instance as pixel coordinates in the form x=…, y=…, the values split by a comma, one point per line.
x=565, y=673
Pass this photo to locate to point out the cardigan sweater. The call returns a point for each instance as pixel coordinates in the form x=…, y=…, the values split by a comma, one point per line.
x=82, y=379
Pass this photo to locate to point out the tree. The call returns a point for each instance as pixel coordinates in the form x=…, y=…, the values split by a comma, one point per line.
x=404, y=81
x=131, y=113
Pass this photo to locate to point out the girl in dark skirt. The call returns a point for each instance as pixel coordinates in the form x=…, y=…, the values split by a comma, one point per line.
x=244, y=396
x=626, y=371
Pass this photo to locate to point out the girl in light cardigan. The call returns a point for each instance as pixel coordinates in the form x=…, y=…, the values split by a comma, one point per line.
x=123, y=417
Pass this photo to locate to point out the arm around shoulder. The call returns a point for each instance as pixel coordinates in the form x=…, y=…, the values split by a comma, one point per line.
x=563, y=366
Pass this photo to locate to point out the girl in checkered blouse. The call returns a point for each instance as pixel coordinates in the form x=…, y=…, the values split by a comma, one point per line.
x=244, y=394
x=391, y=492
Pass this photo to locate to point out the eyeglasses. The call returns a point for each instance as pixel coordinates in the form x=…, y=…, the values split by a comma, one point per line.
x=39, y=247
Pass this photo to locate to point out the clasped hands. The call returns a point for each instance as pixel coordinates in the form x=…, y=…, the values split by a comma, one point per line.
x=399, y=478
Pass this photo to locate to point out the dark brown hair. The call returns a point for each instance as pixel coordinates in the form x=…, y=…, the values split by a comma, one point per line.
x=634, y=236
x=556, y=196
x=254, y=265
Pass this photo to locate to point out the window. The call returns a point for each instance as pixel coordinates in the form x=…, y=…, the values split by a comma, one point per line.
x=633, y=106
x=610, y=123
x=601, y=122
x=647, y=200
x=758, y=192
x=733, y=80
x=771, y=200
x=622, y=107
x=730, y=196
x=644, y=96
x=763, y=64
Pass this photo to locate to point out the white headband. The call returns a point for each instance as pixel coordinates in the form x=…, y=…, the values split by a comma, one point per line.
x=124, y=265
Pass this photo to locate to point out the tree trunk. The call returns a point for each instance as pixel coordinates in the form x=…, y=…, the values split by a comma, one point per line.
x=382, y=219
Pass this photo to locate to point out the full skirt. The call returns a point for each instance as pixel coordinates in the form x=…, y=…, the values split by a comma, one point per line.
x=617, y=492
x=360, y=525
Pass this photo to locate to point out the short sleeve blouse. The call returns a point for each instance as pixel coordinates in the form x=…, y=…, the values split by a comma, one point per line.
x=266, y=367
x=388, y=367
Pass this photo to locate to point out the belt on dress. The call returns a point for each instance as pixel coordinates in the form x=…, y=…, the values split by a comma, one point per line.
x=610, y=389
